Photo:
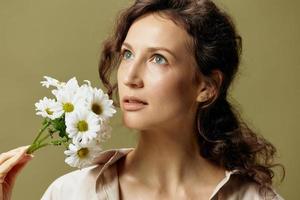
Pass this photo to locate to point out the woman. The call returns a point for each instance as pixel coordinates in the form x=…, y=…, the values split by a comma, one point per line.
x=175, y=61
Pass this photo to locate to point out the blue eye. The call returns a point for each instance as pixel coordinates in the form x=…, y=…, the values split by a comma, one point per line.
x=160, y=59
x=126, y=54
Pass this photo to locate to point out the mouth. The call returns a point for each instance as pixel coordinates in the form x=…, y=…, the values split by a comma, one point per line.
x=133, y=99
x=131, y=103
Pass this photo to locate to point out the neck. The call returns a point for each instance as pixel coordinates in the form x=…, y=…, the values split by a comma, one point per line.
x=169, y=159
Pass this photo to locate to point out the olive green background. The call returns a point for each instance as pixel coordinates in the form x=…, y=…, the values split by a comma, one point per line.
x=62, y=38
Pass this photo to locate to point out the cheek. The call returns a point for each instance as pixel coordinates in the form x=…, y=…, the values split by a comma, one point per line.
x=172, y=95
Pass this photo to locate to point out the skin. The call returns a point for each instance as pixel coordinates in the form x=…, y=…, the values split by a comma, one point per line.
x=166, y=163
x=11, y=164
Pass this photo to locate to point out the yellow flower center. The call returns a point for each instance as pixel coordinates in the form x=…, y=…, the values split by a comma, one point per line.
x=82, y=126
x=68, y=107
x=48, y=111
x=83, y=152
x=97, y=109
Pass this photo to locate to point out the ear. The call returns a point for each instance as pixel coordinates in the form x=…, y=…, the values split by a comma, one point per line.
x=209, y=86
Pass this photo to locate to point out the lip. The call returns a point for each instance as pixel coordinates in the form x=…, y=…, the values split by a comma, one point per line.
x=132, y=103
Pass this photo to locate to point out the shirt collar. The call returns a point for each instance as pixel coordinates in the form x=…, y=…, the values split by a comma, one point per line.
x=107, y=183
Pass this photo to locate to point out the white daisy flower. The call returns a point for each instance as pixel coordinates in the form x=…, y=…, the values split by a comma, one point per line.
x=100, y=104
x=82, y=126
x=45, y=107
x=71, y=86
x=84, y=90
x=87, y=82
x=69, y=101
x=52, y=82
x=80, y=155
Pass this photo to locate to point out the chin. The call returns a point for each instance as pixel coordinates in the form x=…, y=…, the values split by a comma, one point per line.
x=136, y=122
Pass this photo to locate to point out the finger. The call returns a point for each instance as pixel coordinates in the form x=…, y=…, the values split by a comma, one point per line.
x=18, y=148
x=12, y=161
x=25, y=158
x=13, y=173
x=8, y=176
x=6, y=155
x=7, y=165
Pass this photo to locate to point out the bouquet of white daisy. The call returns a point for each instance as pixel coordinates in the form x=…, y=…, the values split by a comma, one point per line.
x=78, y=118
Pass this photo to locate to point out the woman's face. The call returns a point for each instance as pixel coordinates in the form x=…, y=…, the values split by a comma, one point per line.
x=158, y=68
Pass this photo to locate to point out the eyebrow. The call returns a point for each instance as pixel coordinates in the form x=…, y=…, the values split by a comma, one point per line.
x=152, y=49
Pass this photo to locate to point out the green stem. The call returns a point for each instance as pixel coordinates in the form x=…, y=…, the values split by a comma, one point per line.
x=38, y=147
x=41, y=131
x=33, y=146
x=38, y=144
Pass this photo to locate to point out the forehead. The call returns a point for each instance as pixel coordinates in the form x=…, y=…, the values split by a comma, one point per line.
x=154, y=30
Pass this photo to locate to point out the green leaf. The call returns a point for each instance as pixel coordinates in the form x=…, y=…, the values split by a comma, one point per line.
x=59, y=126
x=59, y=142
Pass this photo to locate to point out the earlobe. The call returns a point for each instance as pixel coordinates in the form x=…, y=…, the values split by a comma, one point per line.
x=203, y=96
x=204, y=92
x=209, y=87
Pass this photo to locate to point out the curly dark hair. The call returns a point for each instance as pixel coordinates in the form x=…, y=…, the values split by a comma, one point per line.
x=224, y=138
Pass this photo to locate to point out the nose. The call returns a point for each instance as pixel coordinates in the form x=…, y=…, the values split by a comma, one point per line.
x=133, y=76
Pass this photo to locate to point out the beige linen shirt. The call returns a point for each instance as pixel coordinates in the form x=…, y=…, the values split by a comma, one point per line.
x=101, y=182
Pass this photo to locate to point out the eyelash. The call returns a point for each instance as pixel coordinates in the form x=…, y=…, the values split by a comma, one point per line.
x=155, y=55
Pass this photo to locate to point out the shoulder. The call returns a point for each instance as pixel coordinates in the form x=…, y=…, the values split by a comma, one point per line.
x=79, y=184
x=81, y=179
x=251, y=191
x=76, y=175
x=240, y=189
